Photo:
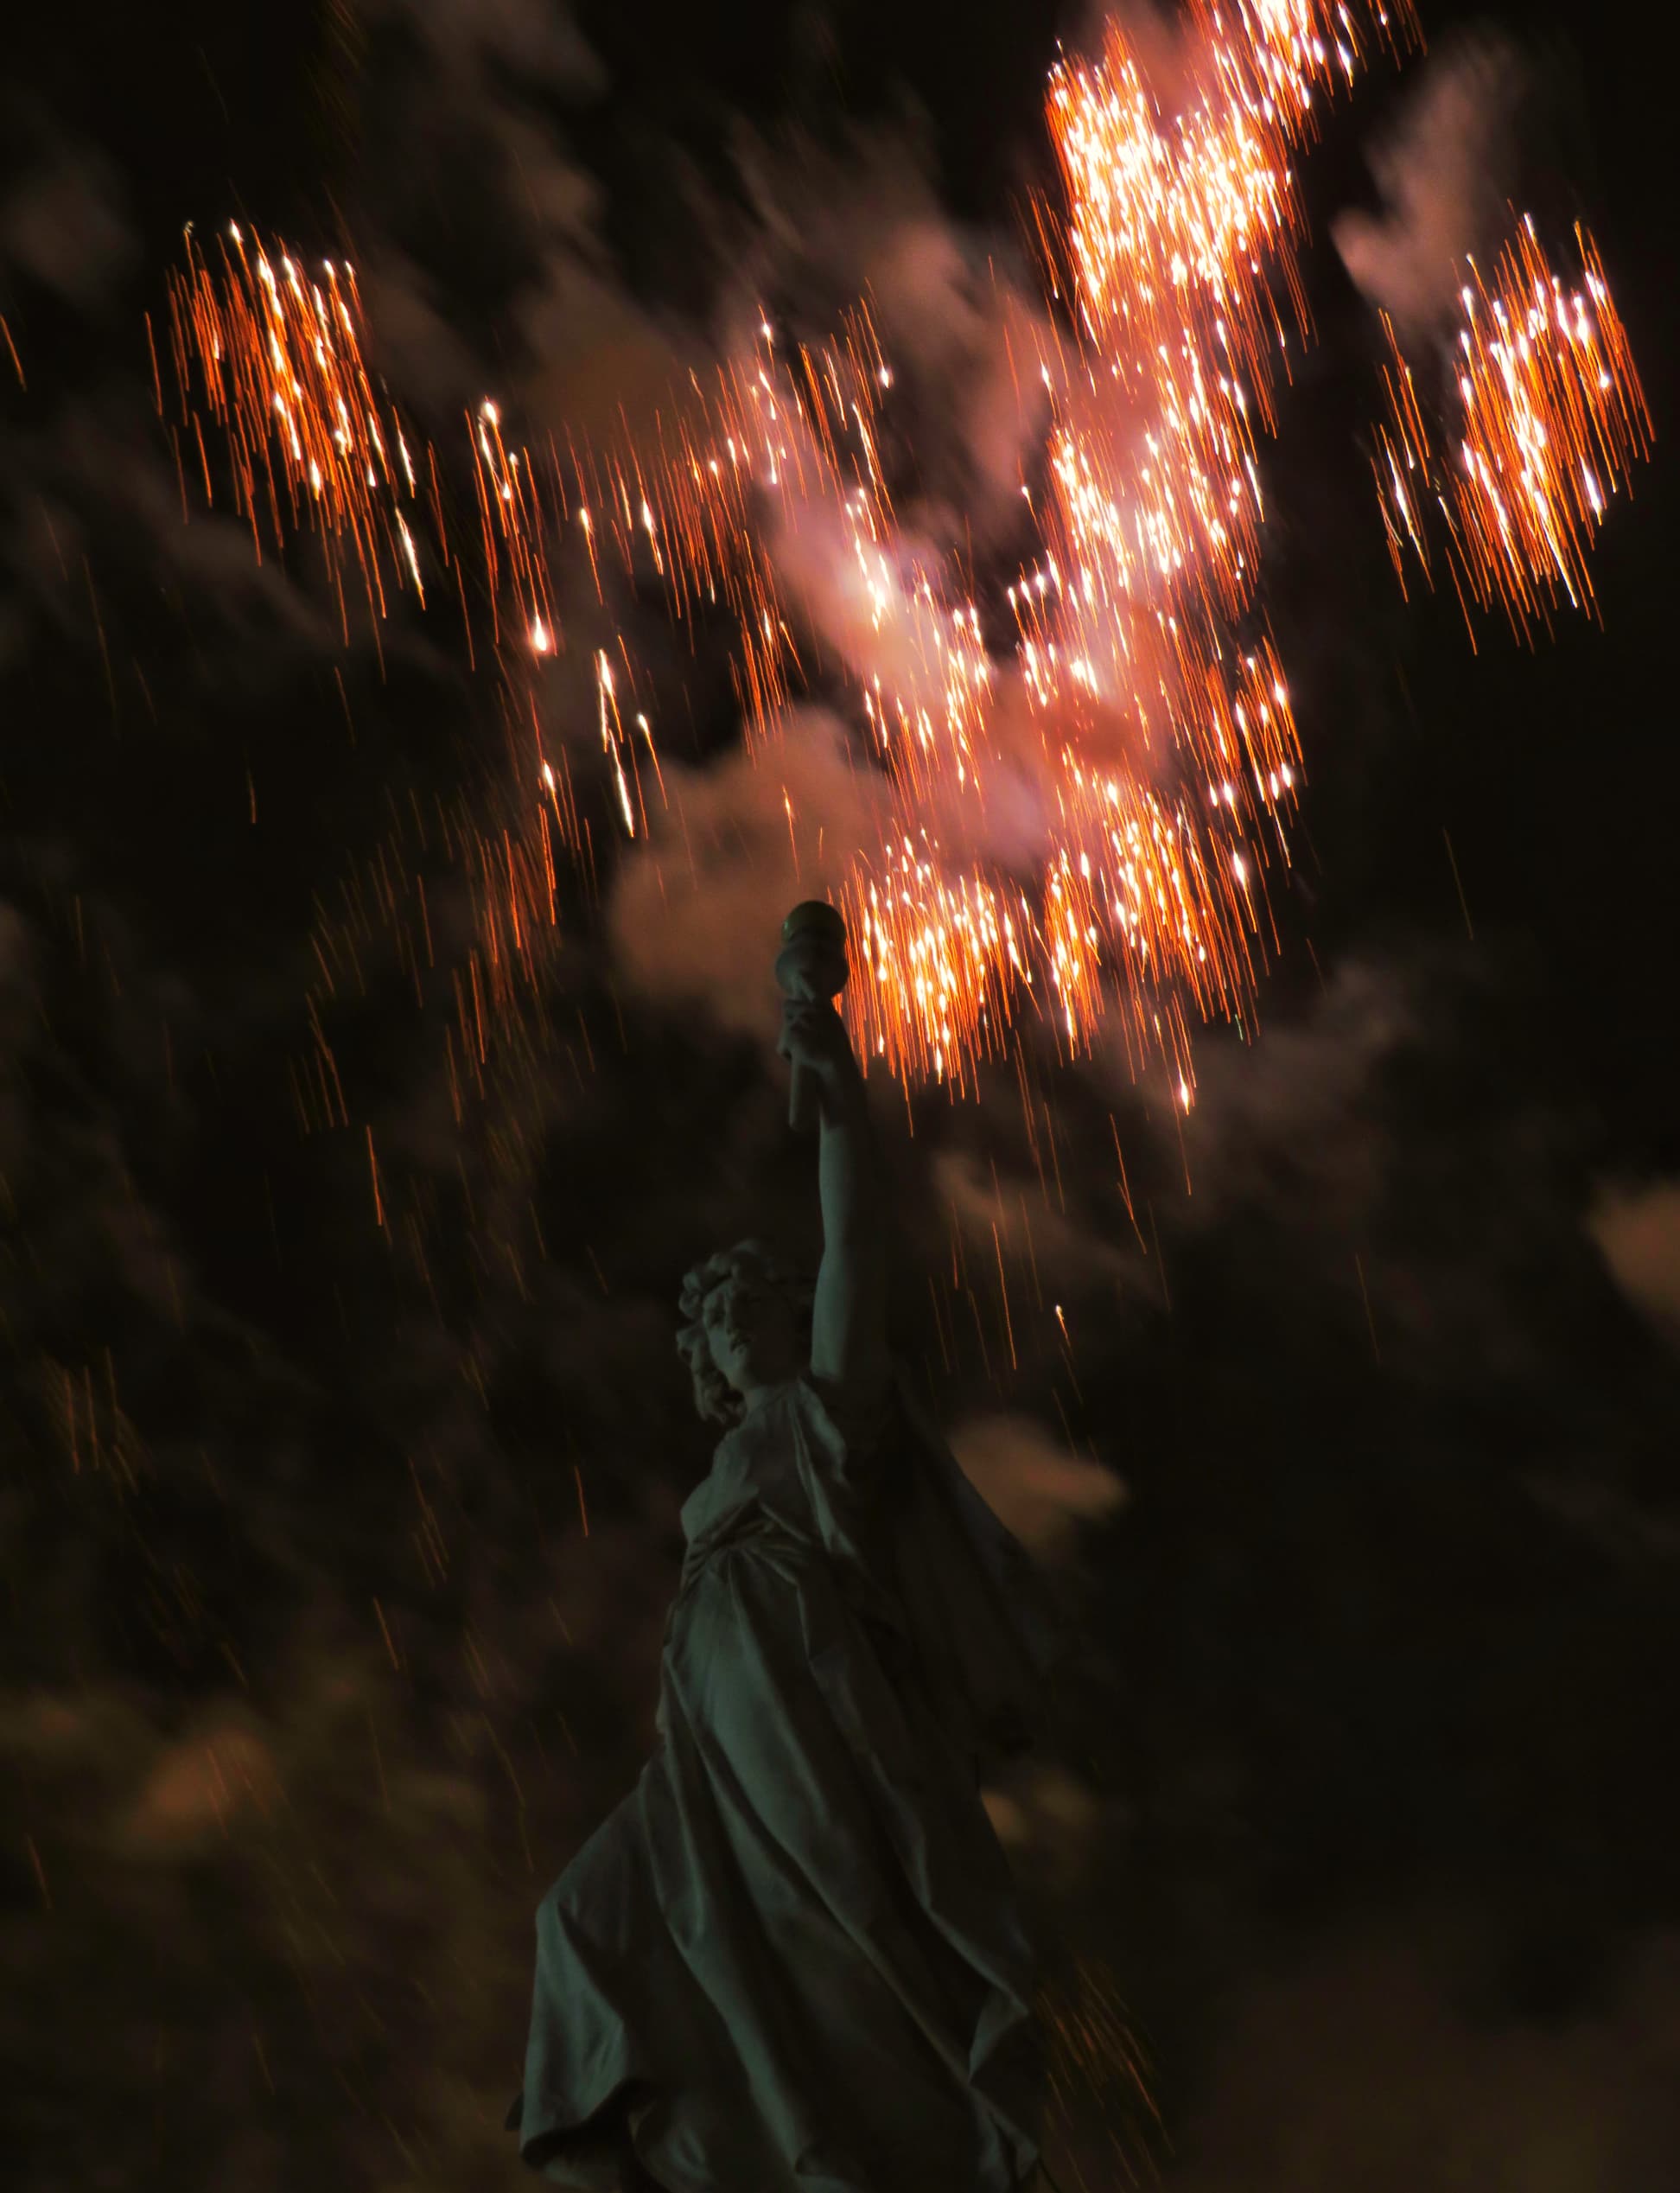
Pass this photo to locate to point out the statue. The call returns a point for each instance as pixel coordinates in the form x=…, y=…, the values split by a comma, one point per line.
x=792, y=1960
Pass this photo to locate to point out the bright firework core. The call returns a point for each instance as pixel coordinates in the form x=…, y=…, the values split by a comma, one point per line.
x=1148, y=752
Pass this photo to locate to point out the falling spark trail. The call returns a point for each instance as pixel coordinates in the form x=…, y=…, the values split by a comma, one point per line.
x=1541, y=424
x=278, y=354
x=1458, y=885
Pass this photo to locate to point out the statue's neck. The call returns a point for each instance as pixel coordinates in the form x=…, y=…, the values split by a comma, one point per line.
x=753, y=1403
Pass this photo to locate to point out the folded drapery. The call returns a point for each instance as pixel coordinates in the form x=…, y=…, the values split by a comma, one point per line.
x=793, y=1958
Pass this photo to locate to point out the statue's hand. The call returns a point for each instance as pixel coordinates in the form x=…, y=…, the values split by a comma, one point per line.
x=813, y=1036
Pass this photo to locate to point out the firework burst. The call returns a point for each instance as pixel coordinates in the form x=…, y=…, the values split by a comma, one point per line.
x=276, y=356
x=1543, y=417
x=1140, y=734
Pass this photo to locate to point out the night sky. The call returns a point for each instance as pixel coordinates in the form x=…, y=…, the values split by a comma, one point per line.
x=337, y=1532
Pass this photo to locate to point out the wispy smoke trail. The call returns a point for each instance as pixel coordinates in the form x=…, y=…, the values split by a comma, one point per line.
x=1443, y=170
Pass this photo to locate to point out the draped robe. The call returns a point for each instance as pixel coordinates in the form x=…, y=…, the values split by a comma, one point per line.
x=793, y=1960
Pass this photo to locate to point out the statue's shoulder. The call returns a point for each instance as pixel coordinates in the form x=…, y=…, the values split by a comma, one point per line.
x=766, y=1426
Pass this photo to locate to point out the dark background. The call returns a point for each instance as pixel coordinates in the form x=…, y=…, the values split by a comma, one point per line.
x=335, y=1554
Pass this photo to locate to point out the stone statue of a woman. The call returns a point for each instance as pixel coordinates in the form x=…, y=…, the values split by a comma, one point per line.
x=792, y=1960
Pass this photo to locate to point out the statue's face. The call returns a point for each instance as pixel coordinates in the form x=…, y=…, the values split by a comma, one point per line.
x=753, y=1334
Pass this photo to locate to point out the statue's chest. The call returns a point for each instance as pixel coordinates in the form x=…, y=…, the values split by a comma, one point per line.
x=756, y=1464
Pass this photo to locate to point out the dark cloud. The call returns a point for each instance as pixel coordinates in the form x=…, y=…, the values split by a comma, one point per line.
x=538, y=43
x=563, y=340
x=1294, y=1118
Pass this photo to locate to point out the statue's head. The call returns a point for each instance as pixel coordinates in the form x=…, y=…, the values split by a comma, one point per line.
x=745, y=1328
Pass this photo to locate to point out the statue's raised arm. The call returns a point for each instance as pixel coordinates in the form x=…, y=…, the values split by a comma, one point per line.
x=848, y=1315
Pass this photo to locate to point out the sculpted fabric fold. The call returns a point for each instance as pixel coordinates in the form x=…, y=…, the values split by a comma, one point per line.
x=793, y=1958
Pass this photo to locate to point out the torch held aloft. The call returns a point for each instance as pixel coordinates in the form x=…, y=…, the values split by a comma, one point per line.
x=810, y=964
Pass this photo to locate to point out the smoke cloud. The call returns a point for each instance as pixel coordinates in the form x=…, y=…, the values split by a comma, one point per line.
x=1443, y=170
x=1369, y=2064
x=753, y=833
x=1039, y=1487
x=1638, y=1232
x=65, y=222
